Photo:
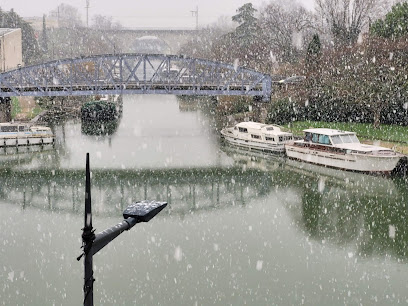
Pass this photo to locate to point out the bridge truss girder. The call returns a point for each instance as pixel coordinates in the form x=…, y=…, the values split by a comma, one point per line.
x=134, y=74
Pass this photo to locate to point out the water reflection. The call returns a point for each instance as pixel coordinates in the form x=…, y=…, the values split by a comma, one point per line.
x=341, y=208
x=336, y=208
x=244, y=228
x=18, y=156
x=369, y=215
x=186, y=190
x=99, y=128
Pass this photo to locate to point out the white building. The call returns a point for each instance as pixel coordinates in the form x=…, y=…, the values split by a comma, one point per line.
x=11, y=51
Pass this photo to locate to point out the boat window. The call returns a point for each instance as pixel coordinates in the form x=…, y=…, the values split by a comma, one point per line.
x=354, y=138
x=269, y=128
x=243, y=130
x=346, y=138
x=269, y=139
x=285, y=138
x=255, y=136
x=336, y=139
x=9, y=128
x=324, y=139
x=308, y=136
x=315, y=138
x=21, y=128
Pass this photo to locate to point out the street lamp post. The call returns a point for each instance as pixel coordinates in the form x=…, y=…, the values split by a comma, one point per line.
x=142, y=211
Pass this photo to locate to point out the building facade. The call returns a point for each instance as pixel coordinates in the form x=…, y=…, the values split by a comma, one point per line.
x=11, y=51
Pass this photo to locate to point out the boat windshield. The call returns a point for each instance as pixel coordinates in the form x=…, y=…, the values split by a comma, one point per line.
x=354, y=138
x=336, y=139
x=346, y=138
x=318, y=138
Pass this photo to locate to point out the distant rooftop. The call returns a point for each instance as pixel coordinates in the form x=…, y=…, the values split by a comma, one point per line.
x=4, y=31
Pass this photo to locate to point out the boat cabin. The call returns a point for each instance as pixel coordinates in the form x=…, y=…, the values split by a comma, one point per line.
x=329, y=137
x=262, y=132
x=41, y=130
x=13, y=127
x=20, y=129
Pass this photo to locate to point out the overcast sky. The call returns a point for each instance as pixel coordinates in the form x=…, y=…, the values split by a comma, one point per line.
x=141, y=14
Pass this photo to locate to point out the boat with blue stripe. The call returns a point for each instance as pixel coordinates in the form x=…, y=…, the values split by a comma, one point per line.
x=24, y=134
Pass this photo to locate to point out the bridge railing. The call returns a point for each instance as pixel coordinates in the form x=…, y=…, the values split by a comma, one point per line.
x=134, y=74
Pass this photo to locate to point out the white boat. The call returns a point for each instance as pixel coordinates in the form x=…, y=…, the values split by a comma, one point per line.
x=258, y=136
x=23, y=134
x=342, y=150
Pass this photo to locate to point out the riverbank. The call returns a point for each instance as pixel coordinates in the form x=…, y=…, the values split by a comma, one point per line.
x=49, y=109
x=24, y=108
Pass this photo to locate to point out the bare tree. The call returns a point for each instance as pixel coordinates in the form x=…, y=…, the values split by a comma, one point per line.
x=67, y=16
x=101, y=22
x=346, y=19
x=284, y=27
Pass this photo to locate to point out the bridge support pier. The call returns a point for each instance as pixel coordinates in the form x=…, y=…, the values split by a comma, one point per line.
x=5, y=109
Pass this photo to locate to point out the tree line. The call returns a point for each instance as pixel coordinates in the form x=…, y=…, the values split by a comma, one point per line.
x=353, y=54
x=70, y=38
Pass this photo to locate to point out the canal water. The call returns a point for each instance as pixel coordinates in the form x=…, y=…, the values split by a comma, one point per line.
x=239, y=229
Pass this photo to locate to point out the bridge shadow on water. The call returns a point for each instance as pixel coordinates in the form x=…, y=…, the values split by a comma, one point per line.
x=329, y=206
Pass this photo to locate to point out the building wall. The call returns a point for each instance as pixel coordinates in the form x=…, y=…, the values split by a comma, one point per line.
x=11, y=51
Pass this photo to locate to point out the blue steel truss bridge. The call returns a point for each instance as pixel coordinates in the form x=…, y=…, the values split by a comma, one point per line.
x=134, y=74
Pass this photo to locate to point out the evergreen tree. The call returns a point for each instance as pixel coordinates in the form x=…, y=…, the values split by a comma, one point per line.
x=248, y=27
x=44, y=36
x=313, y=69
x=395, y=23
x=313, y=49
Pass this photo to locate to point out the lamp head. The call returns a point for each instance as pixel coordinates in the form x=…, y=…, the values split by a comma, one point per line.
x=144, y=210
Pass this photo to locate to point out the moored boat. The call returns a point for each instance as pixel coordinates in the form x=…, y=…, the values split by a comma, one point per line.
x=23, y=134
x=342, y=150
x=258, y=136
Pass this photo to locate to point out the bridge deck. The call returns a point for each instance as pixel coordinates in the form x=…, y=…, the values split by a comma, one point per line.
x=134, y=74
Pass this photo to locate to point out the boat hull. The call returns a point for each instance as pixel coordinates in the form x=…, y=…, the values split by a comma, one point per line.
x=353, y=162
x=254, y=145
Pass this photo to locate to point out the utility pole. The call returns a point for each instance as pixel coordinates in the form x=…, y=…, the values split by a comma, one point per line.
x=87, y=9
x=195, y=13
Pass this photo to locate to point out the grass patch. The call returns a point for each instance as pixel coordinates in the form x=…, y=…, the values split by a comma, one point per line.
x=34, y=112
x=15, y=107
x=392, y=133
